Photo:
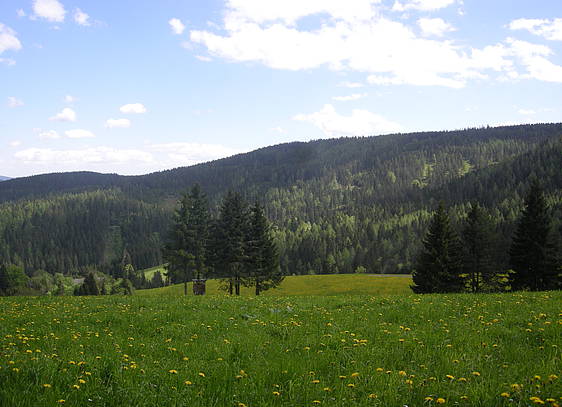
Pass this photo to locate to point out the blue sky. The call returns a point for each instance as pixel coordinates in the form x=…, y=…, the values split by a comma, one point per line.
x=132, y=87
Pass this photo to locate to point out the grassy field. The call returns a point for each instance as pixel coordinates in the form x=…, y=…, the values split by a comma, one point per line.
x=465, y=350
x=334, y=284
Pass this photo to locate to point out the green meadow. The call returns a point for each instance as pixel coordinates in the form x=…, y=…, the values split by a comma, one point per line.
x=333, y=284
x=340, y=350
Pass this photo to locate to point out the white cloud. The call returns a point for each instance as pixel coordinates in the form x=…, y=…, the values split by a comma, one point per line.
x=14, y=102
x=203, y=58
x=434, y=27
x=526, y=112
x=348, y=98
x=279, y=130
x=70, y=99
x=51, y=10
x=351, y=85
x=21, y=13
x=8, y=39
x=360, y=123
x=15, y=143
x=49, y=135
x=7, y=61
x=533, y=57
x=423, y=5
x=118, y=123
x=66, y=115
x=94, y=155
x=348, y=41
x=79, y=133
x=549, y=29
x=81, y=18
x=177, y=26
x=183, y=154
x=133, y=108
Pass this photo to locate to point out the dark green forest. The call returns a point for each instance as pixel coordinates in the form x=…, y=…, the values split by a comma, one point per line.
x=337, y=206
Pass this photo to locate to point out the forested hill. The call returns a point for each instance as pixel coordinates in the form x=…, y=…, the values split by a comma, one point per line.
x=337, y=204
x=2, y=178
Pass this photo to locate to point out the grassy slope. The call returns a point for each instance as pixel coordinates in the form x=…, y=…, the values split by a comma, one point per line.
x=464, y=350
x=335, y=284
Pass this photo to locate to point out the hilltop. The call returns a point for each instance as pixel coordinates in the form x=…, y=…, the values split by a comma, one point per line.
x=336, y=204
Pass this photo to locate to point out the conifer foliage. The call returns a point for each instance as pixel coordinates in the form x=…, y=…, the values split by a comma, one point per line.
x=236, y=247
x=439, y=264
x=532, y=252
x=479, y=243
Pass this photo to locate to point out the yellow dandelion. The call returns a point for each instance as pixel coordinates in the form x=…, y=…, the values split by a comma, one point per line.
x=350, y=385
x=201, y=374
x=327, y=389
x=536, y=400
x=476, y=374
x=505, y=394
x=343, y=377
x=440, y=400
x=276, y=393
x=316, y=402
x=355, y=374
x=428, y=398
x=462, y=379
x=75, y=386
x=410, y=382
x=379, y=369
x=464, y=397
x=173, y=371
x=47, y=386
x=61, y=401
x=372, y=396
x=241, y=405
x=516, y=387
x=187, y=383
x=81, y=381
x=315, y=381
x=552, y=377
x=402, y=373
x=185, y=358
x=450, y=377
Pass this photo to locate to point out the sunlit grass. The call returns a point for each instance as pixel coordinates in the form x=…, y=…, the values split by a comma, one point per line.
x=466, y=350
x=334, y=284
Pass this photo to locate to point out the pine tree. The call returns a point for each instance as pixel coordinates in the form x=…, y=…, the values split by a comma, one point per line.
x=229, y=241
x=479, y=245
x=262, y=257
x=439, y=265
x=186, y=250
x=532, y=253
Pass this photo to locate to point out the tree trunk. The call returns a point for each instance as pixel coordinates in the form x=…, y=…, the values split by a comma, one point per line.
x=230, y=286
x=237, y=287
x=257, y=287
x=185, y=288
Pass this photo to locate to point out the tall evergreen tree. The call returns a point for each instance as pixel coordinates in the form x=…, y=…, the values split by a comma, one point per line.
x=262, y=257
x=186, y=250
x=532, y=252
x=479, y=245
x=229, y=240
x=439, y=265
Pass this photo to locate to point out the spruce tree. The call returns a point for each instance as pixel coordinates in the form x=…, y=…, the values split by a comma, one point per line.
x=262, y=257
x=439, y=264
x=479, y=244
x=186, y=249
x=532, y=253
x=229, y=234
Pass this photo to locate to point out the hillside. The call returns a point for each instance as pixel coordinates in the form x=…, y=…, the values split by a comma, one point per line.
x=336, y=204
x=2, y=178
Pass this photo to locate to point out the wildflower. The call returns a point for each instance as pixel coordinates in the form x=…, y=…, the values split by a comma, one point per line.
x=450, y=377
x=552, y=377
x=428, y=399
x=355, y=374
x=188, y=383
x=201, y=374
x=536, y=400
x=462, y=379
x=241, y=405
x=410, y=382
x=350, y=385
x=316, y=402
x=276, y=393
x=75, y=386
x=81, y=381
x=402, y=373
x=343, y=377
x=476, y=374
x=61, y=401
x=380, y=369
x=372, y=396
x=505, y=394
x=516, y=387
x=173, y=371
x=315, y=381
x=440, y=400
x=464, y=397
x=185, y=358
x=327, y=389
x=47, y=386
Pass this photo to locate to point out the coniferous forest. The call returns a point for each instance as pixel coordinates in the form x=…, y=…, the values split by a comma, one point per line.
x=336, y=206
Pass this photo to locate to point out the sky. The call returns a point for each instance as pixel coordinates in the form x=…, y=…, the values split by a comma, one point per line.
x=136, y=86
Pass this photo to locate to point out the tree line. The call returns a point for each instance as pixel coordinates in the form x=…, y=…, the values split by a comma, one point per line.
x=235, y=246
x=448, y=262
